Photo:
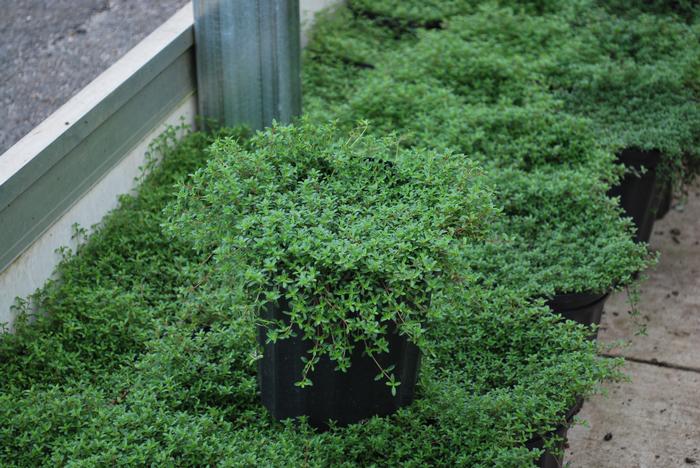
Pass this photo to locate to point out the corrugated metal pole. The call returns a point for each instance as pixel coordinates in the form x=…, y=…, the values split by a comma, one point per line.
x=248, y=60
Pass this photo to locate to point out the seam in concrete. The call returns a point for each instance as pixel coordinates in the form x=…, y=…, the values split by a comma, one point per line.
x=654, y=362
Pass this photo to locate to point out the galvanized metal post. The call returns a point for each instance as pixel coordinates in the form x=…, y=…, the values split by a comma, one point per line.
x=248, y=61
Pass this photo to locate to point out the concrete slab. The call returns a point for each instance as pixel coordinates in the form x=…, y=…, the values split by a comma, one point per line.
x=652, y=421
x=670, y=298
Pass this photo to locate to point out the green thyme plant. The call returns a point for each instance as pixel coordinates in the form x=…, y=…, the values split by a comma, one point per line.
x=342, y=37
x=426, y=114
x=342, y=49
x=644, y=38
x=511, y=32
x=560, y=234
x=418, y=112
x=502, y=372
x=409, y=14
x=636, y=106
x=101, y=311
x=631, y=76
x=530, y=138
x=471, y=69
x=353, y=232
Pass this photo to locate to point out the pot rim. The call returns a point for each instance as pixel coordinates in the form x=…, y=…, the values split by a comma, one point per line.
x=574, y=301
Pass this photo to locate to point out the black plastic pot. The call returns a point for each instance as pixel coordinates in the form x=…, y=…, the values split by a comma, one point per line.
x=344, y=397
x=639, y=195
x=549, y=459
x=665, y=202
x=584, y=308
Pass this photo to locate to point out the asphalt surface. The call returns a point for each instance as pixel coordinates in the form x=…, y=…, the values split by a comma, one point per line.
x=50, y=49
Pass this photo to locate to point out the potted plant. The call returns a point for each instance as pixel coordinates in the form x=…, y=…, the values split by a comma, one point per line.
x=642, y=100
x=560, y=239
x=640, y=191
x=552, y=445
x=484, y=324
x=336, y=246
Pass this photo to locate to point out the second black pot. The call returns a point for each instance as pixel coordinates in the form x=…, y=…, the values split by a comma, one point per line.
x=549, y=459
x=344, y=397
x=639, y=194
x=584, y=308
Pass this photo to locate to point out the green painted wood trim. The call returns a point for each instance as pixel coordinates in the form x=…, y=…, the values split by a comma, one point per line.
x=33, y=198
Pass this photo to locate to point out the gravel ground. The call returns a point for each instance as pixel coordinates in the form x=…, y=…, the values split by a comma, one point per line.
x=49, y=50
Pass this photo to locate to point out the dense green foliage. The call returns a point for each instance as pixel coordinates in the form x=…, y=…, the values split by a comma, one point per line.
x=103, y=306
x=140, y=359
x=632, y=67
x=478, y=88
x=686, y=9
x=561, y=234
x=139, y=354
x=432, y=14
x=353, y=233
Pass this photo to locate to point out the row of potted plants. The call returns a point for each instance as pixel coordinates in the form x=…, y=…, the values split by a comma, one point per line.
x=144, y=355
x=480, y=78
x=383, y=288
x=524, y=138
x=634, y=76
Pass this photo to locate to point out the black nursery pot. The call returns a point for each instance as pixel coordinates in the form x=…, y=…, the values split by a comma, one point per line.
x=584, y=308
x=639, y=195
x=344, y=397
x=549, y=459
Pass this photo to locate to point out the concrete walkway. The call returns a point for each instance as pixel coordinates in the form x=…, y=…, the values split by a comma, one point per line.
x=654, y=419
